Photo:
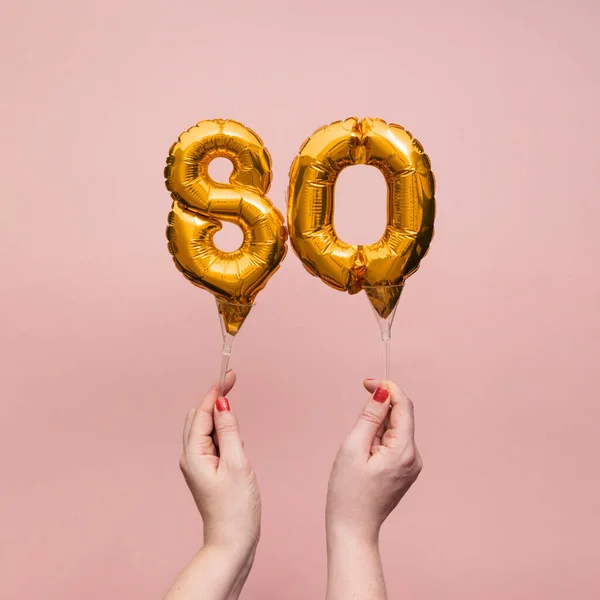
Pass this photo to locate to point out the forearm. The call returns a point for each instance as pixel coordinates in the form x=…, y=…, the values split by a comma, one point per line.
x=354, y=570
x=213, y=574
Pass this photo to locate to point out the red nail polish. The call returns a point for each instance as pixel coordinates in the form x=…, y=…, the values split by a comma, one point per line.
x=381, y=394
x=223, y=404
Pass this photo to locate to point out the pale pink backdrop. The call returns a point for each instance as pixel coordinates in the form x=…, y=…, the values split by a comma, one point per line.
x=105, y=346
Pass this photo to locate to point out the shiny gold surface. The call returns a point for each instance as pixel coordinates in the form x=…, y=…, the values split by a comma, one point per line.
x=200, y=204
x=410, y=204
x=232, y=315
x=384, y=299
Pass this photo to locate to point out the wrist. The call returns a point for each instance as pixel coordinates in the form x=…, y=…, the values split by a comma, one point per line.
x=342, y=534
x=354, y=562
x=216, y=571
x=237, y=553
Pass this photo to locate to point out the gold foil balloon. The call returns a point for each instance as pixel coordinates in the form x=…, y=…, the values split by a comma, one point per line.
x=200, y=204
x=380, y=268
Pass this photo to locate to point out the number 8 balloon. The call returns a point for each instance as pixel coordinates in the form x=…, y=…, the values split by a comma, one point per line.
x=380, y=268
x=199, y=206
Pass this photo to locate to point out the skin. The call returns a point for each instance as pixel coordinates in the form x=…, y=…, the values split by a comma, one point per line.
x=225, y=490
x=373, y=469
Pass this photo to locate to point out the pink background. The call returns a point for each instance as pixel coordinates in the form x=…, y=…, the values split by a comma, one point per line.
x=497, y=339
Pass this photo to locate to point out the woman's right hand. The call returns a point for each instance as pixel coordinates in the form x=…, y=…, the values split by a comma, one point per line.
x=219, y=475
x=375, y=466
x=225, y=490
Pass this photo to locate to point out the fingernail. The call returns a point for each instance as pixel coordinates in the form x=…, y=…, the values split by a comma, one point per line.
x=229, y=370
x=369, y=379
x=381, y=394
x=223, y=404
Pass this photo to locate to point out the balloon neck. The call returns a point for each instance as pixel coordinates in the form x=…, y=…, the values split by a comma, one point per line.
x=384, y=302
x=232, y=316
x=386, y=330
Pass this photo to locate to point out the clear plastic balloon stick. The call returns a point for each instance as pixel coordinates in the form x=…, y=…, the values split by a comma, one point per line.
x=231, y=316
x=387, y=358
x=227, y=346
x=384, y=302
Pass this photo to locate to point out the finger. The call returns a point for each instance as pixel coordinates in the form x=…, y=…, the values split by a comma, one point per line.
x=230, y=379
x=397, y=394
x=200, y=438
x=187, y=426
x=227, y=428
x=404, y=413
x=203, y=423
x=216, y=440
x=371, y=418
x=402, y=420
x=371, y=385
x=375, y=449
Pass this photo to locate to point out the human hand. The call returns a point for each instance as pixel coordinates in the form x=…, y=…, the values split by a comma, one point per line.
x=220, y=476
x=375, y=466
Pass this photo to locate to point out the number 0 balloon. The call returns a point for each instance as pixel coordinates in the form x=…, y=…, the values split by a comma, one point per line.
x=380, y=268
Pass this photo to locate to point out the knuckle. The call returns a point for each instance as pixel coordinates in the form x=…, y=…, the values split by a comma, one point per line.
x=243, y=464
x=227, y=427
x=408, y=458
x=418, y=466
x=346, y=450
x=183, y=463
x=368, y=416
x=239, y=464
x=203, y=446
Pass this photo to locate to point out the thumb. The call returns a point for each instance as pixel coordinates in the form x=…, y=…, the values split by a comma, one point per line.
x=369, y=421
x=231, y=449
